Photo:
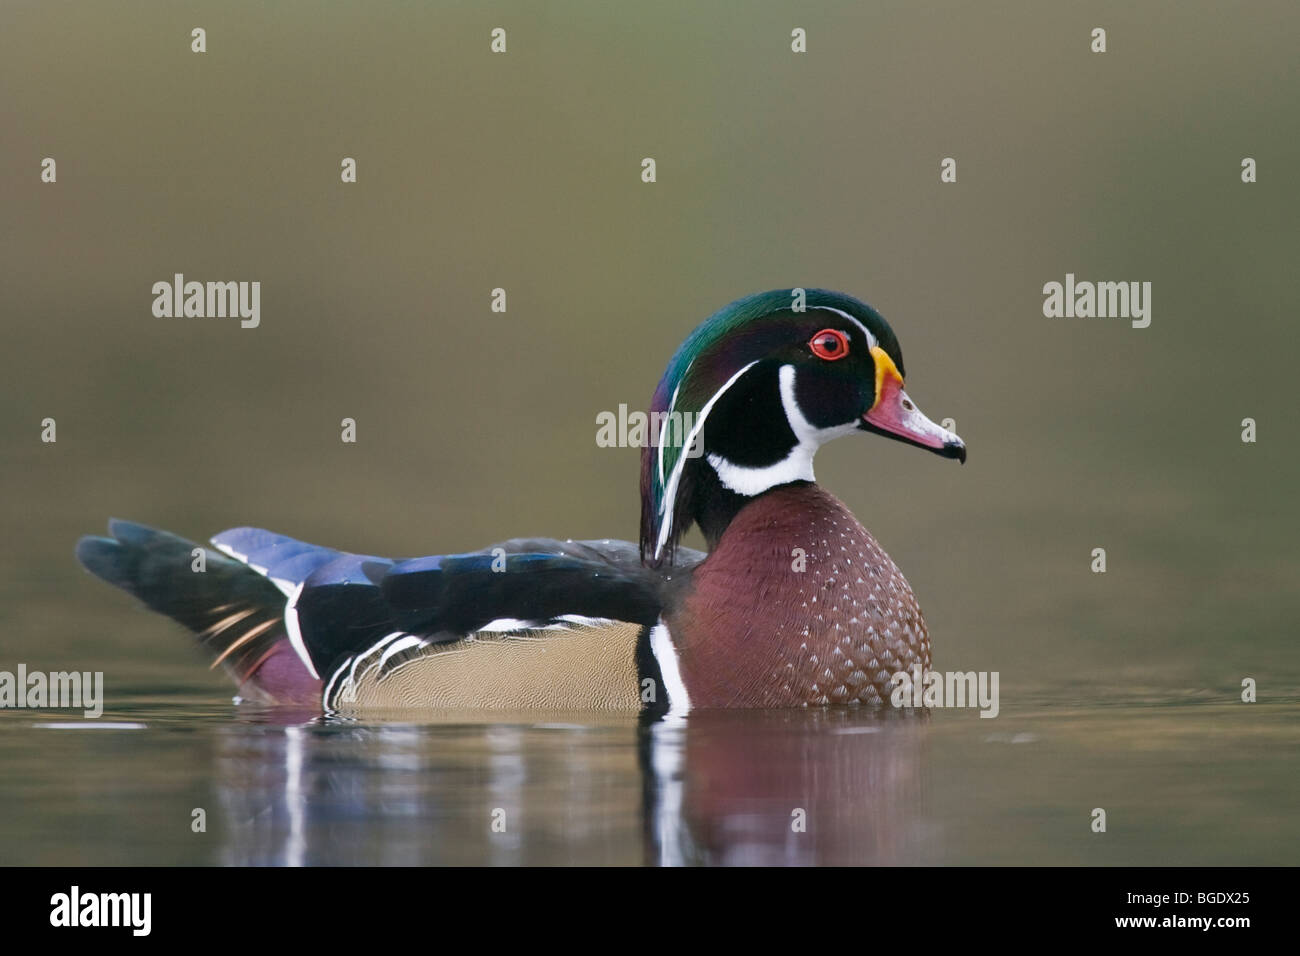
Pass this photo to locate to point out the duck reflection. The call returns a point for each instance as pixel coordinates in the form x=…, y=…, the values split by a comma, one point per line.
x=727, y=788
x=785, y=788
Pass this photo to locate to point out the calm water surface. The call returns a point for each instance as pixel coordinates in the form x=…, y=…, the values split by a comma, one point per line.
x=1185, y=778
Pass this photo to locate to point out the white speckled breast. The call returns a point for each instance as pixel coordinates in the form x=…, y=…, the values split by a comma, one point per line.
x=797, y=605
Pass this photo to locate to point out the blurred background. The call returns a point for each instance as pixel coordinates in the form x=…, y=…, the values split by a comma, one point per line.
x=522, y=171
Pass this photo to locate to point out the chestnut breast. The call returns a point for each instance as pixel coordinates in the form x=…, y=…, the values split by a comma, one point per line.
x=796, y=605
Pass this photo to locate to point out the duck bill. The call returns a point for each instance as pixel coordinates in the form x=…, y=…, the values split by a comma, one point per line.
x=896, y=416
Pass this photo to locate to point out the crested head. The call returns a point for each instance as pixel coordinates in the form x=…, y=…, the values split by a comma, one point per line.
x=754, y=391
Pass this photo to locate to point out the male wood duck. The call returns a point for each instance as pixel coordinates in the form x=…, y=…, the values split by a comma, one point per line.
x=795, y=604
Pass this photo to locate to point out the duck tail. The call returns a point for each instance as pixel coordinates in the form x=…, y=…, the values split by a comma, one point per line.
x=235, y=613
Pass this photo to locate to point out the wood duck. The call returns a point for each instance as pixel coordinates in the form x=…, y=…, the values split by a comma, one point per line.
x=794, y=604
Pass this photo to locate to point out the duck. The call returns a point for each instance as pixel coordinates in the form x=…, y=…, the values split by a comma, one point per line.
x=793, y=603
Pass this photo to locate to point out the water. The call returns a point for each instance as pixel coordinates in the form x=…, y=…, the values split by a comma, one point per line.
x=1185, y=778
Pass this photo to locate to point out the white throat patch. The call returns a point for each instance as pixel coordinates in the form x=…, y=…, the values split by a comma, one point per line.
x=797, y=465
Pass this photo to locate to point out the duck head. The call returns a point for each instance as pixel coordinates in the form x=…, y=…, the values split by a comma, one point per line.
x=752, y=394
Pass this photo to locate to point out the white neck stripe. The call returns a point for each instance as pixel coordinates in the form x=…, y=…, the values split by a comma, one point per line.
x=797, y=465
x=749, y=481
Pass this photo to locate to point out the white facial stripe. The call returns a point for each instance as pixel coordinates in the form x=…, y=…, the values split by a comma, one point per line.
x=663, y=429
x=665, y=652
x=670, y=491
x=796, y=466
x=871, y=339
x=804, y=430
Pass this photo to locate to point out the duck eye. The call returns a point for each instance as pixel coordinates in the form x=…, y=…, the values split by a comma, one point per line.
x=829, y=344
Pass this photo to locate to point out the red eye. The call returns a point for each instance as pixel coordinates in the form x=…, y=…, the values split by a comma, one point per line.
x=829, y=344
